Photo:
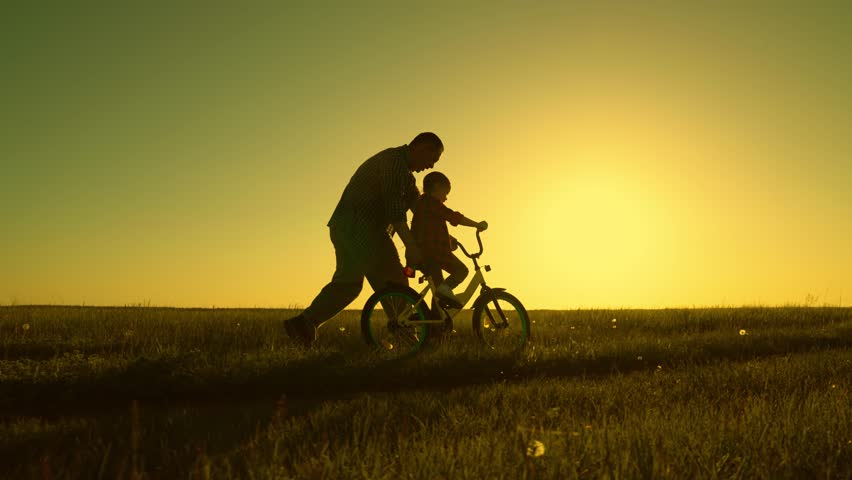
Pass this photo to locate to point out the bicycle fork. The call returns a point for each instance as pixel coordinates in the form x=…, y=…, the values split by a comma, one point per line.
x=504, y=322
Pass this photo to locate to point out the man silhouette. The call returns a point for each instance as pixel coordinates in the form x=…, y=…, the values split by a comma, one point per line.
x=372, y=207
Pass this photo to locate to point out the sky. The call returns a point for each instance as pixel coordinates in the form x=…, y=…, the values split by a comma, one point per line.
x=668, y=154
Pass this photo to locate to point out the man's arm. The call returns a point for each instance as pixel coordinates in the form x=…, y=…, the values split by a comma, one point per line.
x=412, y=251
x=397, y=186
x=410, y=195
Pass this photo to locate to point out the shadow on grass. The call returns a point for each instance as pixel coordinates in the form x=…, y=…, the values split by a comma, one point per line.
x=319, y=376
x=162, y=442
x=41, y=351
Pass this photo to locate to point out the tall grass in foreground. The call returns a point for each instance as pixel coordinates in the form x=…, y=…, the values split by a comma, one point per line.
x=716, y=393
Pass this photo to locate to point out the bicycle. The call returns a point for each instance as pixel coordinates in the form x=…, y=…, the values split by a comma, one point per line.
x=499, y=319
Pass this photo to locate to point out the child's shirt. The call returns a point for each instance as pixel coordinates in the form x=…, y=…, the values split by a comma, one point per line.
x=429, y=226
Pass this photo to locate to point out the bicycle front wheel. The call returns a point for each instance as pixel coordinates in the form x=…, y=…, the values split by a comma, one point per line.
x=380, y=324
x=501, y=322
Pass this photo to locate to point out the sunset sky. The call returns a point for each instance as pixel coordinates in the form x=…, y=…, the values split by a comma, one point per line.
x=624, y=155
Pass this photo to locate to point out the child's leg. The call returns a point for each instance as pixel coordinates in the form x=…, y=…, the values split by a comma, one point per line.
x=456, y=268
x=432, y=268
x=435, y=271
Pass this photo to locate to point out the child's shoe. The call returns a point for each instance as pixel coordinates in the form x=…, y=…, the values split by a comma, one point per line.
x=446, y=293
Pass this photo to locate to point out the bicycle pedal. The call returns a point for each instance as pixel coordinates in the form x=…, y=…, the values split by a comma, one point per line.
x=447, y=303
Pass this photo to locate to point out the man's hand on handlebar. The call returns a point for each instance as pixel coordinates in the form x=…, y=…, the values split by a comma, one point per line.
x=482, y=226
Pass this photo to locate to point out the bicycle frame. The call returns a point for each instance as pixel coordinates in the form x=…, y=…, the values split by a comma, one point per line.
x=476, y=281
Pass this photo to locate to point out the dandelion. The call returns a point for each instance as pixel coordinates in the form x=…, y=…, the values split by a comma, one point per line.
x=342, y=329
x=387, y=344
x=639, y=358
x=454, y=331
x=743, y=332
x=659, y=367
x=25, y=326
x=614, y=320
x=575, y=434
x=615, y=326
x=833, y=386
x=535, y=448
x=588, y=427
x=572, y=327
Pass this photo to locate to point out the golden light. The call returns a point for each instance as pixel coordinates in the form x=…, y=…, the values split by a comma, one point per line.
x=594, y=223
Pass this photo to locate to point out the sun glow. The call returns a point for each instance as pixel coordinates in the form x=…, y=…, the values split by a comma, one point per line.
x=598, y=232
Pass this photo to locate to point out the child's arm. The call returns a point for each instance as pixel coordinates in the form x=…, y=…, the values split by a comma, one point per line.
x=470, y=223
x=456, y=218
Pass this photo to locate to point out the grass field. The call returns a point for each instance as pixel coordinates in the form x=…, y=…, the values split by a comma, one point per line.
x=148, y=392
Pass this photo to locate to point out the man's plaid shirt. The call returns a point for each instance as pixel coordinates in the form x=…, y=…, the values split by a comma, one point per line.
x=379, y=194
x=429, y=227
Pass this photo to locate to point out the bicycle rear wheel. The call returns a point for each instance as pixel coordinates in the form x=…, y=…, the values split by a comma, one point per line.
x=502, y=322
x=379, y=325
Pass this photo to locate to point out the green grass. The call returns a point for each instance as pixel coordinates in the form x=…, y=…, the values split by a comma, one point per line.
x=191, y=393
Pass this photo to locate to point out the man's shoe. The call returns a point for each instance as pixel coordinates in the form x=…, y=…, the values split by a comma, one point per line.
x=301, y=330
x=447, y=298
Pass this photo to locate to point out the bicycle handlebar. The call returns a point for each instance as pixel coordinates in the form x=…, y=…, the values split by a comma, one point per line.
x=475, y=255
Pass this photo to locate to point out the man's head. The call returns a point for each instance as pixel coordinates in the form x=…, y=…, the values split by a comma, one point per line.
x=436, y=185
x=424, y=151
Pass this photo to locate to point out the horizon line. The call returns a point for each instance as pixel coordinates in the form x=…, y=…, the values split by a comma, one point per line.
x=214, y=307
